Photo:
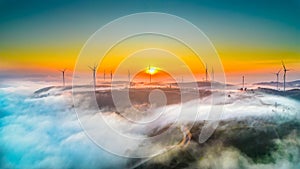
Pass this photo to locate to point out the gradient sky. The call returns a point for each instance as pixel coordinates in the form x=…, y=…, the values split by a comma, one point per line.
x=251, y=37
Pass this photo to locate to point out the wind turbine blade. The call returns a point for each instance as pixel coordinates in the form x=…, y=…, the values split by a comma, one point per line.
x=283, y=65
x=90, y=67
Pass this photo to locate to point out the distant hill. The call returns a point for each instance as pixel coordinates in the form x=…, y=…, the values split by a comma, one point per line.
x=201, y=84
x=294, y=93
x=295, y=84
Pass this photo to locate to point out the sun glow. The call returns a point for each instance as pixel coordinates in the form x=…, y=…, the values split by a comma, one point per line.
x=151, y=70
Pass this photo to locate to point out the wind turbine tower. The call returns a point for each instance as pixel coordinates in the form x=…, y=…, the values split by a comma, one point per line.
x=284, y=75
x=104, y=75
x=206, y=73
x=129, y=78
x=212, y=74
x=94, y=68
x=63, y=76
x=150, y=73
x=111, y=75
x=277, y=79
x=243, y=83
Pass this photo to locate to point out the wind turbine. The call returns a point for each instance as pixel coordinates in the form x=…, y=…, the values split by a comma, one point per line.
x=212, y=74
x=277, y=77
x=111, y=75
x=243, y=83
x=284, y=74
x=150, y=73
x=63, y=75
x=104, y=75
x=94, y=68
x=206, y=73
x=129, y=78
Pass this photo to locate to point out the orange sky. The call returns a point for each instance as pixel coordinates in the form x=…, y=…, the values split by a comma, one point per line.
x=165, y=53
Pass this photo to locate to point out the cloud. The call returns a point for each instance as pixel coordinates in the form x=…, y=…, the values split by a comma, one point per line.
x=254, y=133
x=219, y=156
x=45, y=133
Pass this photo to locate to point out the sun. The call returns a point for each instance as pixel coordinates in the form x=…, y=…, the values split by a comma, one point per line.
x=151, y=70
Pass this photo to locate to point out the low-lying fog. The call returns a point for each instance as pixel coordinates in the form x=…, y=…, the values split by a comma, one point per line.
x=256, y=130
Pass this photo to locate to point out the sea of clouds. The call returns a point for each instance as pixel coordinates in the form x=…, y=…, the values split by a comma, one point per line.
x=257, y=131
x=44, y=132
